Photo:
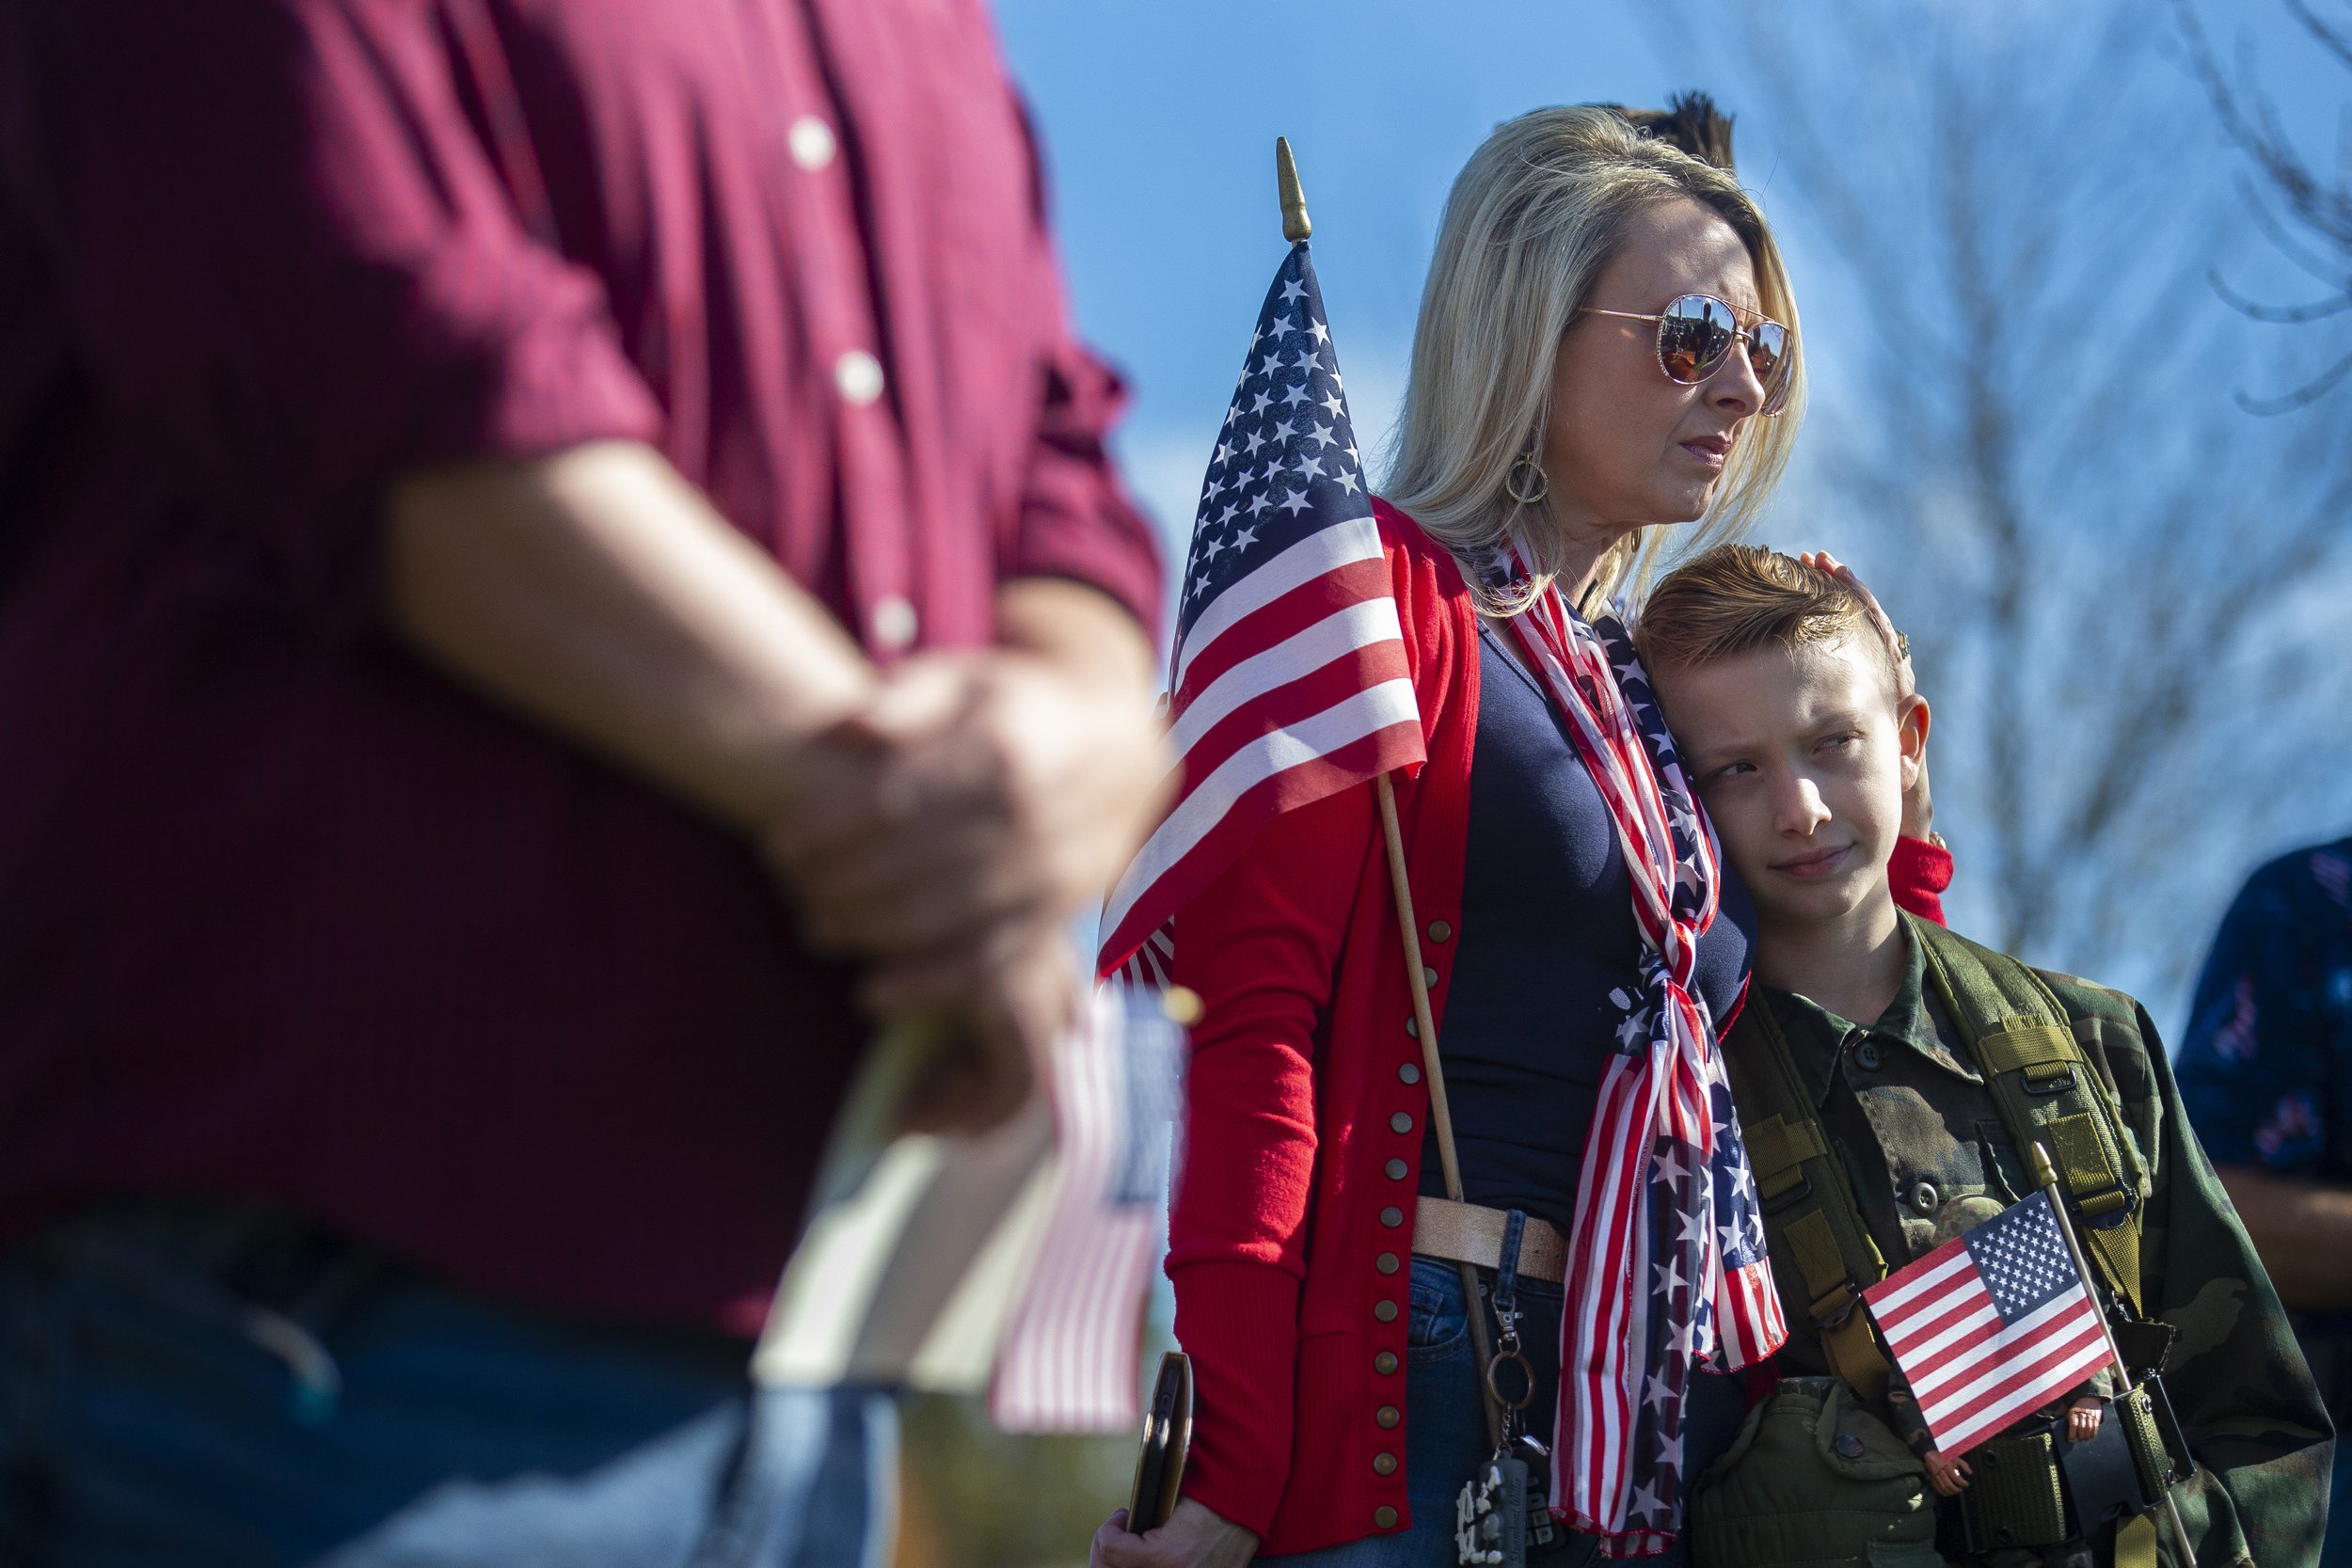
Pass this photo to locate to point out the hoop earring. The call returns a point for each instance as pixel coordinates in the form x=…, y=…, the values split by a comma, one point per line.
x=1527, y=495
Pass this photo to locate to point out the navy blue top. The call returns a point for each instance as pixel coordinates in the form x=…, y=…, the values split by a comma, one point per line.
x=2267, y=1055
x=1547, y=933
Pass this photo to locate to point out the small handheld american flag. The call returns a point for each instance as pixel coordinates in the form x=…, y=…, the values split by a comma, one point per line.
x=1992, y=1325
x=1288, y=682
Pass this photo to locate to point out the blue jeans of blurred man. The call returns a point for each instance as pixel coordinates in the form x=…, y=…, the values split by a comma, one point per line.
x=209, y=1387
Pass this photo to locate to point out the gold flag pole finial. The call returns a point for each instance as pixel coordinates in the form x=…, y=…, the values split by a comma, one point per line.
x=1296, y=226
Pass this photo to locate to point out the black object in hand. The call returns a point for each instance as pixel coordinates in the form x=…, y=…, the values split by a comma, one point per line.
x=1166, y=1436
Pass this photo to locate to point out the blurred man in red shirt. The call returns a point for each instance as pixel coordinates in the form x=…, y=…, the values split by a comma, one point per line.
x=543, y=547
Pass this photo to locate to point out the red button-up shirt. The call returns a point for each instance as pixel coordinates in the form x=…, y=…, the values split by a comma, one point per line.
x=284, y=914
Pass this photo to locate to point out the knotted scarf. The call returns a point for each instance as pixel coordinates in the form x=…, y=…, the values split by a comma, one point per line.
x=1666, y=1264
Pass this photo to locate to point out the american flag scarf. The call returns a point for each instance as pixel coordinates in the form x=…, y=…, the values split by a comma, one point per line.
x=1666, y=1264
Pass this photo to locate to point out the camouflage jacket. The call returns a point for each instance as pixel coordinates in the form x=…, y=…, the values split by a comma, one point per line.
x=1928, y=1156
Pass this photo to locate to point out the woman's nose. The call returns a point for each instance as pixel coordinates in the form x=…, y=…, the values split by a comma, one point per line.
x=1734, y=388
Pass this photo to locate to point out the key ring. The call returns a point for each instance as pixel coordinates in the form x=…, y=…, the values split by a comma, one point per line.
x=1527, y=1380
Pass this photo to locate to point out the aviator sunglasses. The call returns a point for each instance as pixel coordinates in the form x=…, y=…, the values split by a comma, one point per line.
x=1695, y=337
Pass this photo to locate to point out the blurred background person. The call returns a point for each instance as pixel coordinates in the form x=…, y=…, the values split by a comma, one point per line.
x=541, y=549
x=2267, y=1065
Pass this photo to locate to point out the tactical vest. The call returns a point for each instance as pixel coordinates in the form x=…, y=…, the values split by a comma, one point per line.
x=2047, y=1090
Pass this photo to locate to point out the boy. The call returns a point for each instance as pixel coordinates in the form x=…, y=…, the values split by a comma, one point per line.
x=1889, y=1073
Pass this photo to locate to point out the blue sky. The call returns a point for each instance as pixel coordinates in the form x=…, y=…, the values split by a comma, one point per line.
x=1159, y=122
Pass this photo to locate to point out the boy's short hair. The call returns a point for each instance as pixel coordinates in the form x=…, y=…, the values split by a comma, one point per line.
x=1736, y=598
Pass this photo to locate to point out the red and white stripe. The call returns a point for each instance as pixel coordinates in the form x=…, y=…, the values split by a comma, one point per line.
x=1972, y=1374
x=1068, y=1359
x=1292, y=686
x=1646, y=1094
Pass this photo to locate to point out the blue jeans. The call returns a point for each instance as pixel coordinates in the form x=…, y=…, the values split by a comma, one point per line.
x=206, y=1387
x=1445, y=1426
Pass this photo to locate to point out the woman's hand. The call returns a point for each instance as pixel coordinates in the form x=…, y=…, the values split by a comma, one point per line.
x=1906, y=681
x=1949, y=1477
x=1918, y=803
x=1192, y=1538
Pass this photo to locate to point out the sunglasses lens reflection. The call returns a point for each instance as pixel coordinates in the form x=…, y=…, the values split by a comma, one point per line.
x=1692, y=333
x=1768, y=355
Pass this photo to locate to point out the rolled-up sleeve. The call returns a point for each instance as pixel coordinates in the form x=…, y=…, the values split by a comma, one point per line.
x=294, y=269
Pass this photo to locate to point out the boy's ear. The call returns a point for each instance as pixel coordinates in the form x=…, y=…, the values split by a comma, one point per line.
x=1912, y=720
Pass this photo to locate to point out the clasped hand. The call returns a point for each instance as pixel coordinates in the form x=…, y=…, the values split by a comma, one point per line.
x=945, y=833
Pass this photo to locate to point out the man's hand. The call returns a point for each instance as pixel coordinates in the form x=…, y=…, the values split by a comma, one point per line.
x=947, y=830
x=976, y=792
x=1193, y=1538
x=1003, y=1026
x=2082, y=1418
x=1949, y=1477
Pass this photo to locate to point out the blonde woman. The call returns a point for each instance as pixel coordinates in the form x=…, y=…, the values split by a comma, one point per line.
x=1607, y=353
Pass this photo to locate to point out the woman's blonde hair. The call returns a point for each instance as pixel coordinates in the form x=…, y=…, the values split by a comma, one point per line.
x=1530, y=222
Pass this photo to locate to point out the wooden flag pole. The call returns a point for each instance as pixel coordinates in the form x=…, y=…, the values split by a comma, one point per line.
x=2045, y=1172
x=1296, y=226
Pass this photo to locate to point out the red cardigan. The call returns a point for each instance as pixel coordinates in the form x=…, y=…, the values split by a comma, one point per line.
x=1292, y=1233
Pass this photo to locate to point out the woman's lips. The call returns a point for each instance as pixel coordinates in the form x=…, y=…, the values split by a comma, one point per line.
x=1815, y=865
x=1710, y=451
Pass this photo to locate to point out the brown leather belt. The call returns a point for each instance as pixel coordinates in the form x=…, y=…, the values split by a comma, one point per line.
x=1468, y=1233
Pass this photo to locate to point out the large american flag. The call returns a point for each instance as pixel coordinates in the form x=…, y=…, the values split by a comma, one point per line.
x=1288, y=681
x=1991, y=1325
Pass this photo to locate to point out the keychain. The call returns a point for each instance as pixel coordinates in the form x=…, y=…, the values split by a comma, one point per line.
x=1501, y=1513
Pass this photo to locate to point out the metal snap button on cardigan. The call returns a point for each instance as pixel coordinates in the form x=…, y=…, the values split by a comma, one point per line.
x=1409, y=1072
x=1386, y=1262
x=1388, y=1416
x=1384, y=1464
x=1439, y=930
x=1395, y=1169
x=1391, y=1217
x=1384, y=1310
x=1384, y=1364
x=1384, y=1516
x=1401, y=1122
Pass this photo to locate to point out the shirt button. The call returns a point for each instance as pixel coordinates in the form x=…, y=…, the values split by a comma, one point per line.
x=1384, y=1517
x=1391, y=1217
x=893, y=624
x=1866, y=1056
x=1383, y=1463
x=857, y=375
x=812, y=143
x=1384, y=1310
x=1923, y=1197
x=1395, y=1169
x=1384, y=1364
x=1388, y=1416
x=1409, y=1072
x=1401, y=1122
x=1439, y=930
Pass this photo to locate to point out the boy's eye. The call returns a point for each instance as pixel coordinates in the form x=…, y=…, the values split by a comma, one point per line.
x=1730, y=769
